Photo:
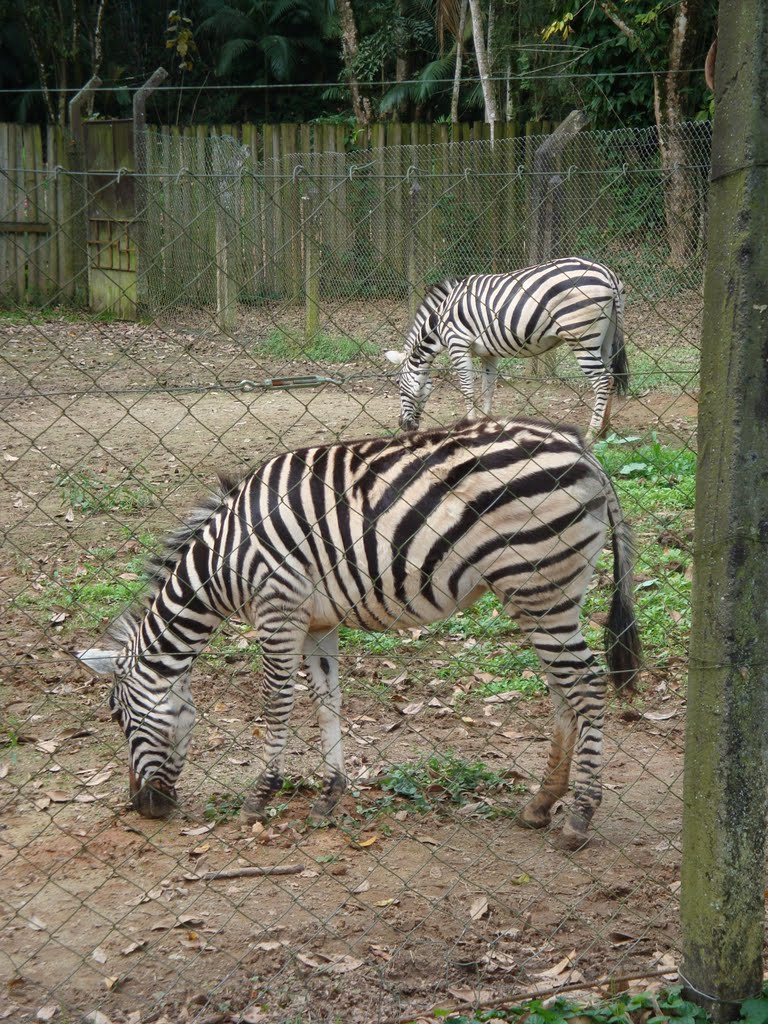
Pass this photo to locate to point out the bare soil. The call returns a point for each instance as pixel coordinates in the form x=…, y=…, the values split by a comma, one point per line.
x=391, y=914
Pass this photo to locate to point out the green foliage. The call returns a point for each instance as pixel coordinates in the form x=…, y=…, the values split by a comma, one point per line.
x=91, y=494
x=656, y=1008
x=83, y=595
x=437, y=782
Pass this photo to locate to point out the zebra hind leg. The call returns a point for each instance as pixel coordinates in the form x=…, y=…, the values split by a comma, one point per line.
x=322, y=654
x=573, y=673
x=537, y=813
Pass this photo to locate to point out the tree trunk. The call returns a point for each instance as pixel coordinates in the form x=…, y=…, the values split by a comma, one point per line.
x=459, y=61
x=483, y=65
x=361, y=105
x=669, y=91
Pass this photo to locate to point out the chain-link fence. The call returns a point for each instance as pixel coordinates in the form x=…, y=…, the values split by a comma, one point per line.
x=264, y=296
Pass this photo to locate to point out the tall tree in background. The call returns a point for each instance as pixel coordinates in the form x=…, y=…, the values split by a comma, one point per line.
x=66, y=42
x=484, y=63
x=668, y=41
x=361, y=105
x=670, y=108
x=452, y=17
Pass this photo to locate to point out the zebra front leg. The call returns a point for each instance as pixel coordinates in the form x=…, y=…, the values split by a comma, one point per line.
x=281, y=657
x=321, y=651
x=537, y=813
x=488, y=383
x=462, y=363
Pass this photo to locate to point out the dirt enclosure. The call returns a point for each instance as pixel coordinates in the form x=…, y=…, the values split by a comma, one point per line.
x=407, y=900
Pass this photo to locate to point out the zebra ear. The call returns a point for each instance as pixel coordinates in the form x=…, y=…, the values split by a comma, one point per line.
x=395, y=357
x=103, y=663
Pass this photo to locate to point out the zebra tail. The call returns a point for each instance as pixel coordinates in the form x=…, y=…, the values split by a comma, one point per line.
x=622, y=638
x=619, y=362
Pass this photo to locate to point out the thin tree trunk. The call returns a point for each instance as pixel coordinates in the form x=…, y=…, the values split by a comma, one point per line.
x=459, y=61
x=349, y=45
x=483, y=66
x=668, y=107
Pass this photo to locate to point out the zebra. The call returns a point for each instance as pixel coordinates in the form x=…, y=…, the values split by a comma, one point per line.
x=525, y=313
x=378, y=534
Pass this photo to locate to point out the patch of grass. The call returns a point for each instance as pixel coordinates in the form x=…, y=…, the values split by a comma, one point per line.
x=84, y=594
x=360, y=641
x=439, y=781
x=323, y=348
x=673, y=369
x=91, y=494
x=642, y=1008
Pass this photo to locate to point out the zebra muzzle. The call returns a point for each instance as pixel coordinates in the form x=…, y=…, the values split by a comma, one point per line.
x=151, y=799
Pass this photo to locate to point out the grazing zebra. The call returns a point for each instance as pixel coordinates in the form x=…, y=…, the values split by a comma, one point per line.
x=524, y=314
x=377, y=534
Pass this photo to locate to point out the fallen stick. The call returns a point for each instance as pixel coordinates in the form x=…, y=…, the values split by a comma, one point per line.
x=277, y=869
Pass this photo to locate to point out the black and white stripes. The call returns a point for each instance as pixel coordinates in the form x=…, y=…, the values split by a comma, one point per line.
x=377, y=534
x=526, y=313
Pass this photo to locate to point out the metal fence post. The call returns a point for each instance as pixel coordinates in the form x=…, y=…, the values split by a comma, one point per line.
x=415, y=279
x=311, y=239
x=726, y=764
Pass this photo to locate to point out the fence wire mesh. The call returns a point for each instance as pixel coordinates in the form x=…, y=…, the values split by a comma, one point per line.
x=260, y=299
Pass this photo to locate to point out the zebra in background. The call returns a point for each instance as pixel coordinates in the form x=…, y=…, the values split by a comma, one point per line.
x=525, y=313
x=381, y=534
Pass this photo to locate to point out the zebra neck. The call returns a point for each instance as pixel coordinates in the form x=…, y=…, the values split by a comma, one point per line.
x=177, y=625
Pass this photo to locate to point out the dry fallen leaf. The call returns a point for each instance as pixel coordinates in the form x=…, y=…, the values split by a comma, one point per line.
x=59, y=796
x=133, y=947
x=344, y=964
x=200, y=830
x=659, y=716
x=47, y=1012
x=363, y=887
x=411, y=709
x=392, y=901
x=251, y=1015
x=479, y=908
x=471, y=995
x=99, y=956
x=36, y=924
x=99, y=779
x=558, y=969
x=362, y=843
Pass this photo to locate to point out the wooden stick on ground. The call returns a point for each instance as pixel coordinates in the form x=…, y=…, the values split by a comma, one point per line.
x=253, y=872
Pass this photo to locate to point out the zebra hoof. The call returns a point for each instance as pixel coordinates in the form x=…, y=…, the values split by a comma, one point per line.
x=327, y=803
x=574, y=835
x=534, y=817
x=253, y=811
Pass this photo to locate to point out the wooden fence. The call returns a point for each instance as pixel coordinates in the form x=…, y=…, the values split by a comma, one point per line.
x=71, y=216
x=230, y=214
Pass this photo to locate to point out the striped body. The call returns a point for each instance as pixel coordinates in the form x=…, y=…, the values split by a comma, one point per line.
x=379, y=534
x=526, y=313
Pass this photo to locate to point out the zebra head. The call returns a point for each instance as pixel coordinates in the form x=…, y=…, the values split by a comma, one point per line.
x=415, y=386
x=156, y=714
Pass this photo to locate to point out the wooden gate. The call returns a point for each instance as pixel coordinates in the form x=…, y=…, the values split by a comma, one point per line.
x=110, y=160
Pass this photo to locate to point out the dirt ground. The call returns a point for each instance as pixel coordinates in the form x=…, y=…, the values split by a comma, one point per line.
x=387, y=915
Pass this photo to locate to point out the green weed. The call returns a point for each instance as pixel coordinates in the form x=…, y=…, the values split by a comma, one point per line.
x=650, y=1008
x=90, y=494
x=439, y=781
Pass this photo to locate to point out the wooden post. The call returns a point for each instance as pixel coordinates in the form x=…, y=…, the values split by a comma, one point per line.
x=542, y=202
x=415, y=281
x=310, y=234
x=726, y=751
x=142, y=185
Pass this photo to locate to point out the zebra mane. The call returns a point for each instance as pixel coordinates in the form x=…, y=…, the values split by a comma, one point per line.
x=434, y=297
x=160, y=565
